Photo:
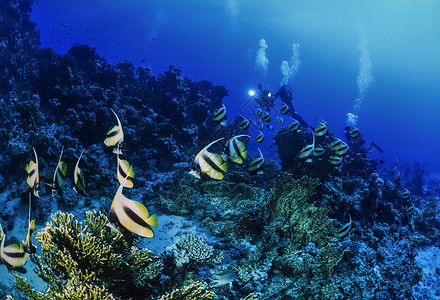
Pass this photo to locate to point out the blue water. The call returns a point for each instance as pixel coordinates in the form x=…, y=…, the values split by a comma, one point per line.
x=394, y=45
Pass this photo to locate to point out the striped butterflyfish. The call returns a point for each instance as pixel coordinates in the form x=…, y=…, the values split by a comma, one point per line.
x=244, y=123
x=260, y=137
x=257, y=162
x=115, y=136
x=344, y=230
x=322, y=128
x=15, y=255
x=284, y=109
x=33, y=179
x=209, y=165
x=125, y=172
x=78, y=178
x=236, y=149
x=132, y=215
x=58, y=176
x=220, y=115
x=339, y=146
x=307, y=149
x=30, y=248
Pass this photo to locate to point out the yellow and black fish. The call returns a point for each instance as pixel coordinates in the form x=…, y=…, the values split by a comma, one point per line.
x=284, y=109
x=78, y=178
x=280, y=120
x=355, y=133
x=335, y=160
x=260, y=126
x=220, y=115
x=132, y=215
x=410, y=210
x=209, y=165
x=115, y=136
x=339, y=146
x=260, y=137
x=244, y=123
x=318, y=151
x=397, y=178
x=124, y=173
x=294, y=126
x=15, y=255
x=405, y=194
x=33, y=179
x=236, y=150
x=344, y=230
x=265, y=117
x=307, y=149
x=58, y=176
x=256, y=163
x=322, y=129
x=259, y=113
x=30, y=248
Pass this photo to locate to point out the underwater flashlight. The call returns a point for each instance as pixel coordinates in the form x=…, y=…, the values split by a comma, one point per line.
x=269, y=95
x=251, y=93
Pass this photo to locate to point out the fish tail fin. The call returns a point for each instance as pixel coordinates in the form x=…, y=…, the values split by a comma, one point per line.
x=152, y=221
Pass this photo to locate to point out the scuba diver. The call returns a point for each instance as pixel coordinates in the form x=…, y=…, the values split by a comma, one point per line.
x=286, y=95
x=264, y=98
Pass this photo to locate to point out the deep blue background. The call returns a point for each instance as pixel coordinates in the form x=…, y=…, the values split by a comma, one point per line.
x=218, y=40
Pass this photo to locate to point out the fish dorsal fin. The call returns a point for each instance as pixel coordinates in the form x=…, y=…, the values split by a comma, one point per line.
x=207, y=147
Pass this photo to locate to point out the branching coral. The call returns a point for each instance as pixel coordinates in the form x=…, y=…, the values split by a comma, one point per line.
x=196, y=290
x=83, y=259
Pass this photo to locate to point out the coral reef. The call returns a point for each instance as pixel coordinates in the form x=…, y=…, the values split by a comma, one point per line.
x=83, y=259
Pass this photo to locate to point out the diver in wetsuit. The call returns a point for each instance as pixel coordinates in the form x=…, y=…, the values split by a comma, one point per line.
x=286, y=94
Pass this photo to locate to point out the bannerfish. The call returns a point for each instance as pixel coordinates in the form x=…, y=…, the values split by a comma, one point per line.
x=265, y=117
x=78, y=178
x=322, y=128
x=132, y=215
x=124, y=173
x=294, y=126
x=14, y=256
x=318, y=151
x=115, y=136
x=397, y=178
x=259, y=113
x=58, y=176
x=30, y=248
x=260, y=138
x=244, y=123
x=256, y=163
x=344, y=230
x=405, y=194
x=33, y=179
x=335, y=160
x=284, y=109
x=280, y=120
x=220, y=115
x=209, y=165
x=307, y=149
x=354, y=132
x=410, y=210
x=261, y=126
x=236, y=149
x=339, y=146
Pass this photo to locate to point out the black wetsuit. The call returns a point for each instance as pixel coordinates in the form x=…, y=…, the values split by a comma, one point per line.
x=286, y=94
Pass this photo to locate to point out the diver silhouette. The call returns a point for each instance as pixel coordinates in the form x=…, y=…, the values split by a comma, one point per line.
x=286, y=95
